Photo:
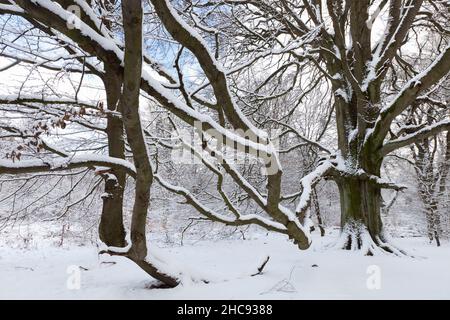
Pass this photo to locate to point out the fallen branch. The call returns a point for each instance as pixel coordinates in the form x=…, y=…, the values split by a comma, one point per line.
x=261, y=267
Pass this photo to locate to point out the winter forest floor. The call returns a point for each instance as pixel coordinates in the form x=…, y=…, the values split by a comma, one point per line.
x=319, y=273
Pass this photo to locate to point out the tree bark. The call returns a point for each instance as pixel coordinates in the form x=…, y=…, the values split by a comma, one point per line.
x=361, y=225
x=430, y=186
x=111, y=228
x=316, y=204
x=361, y=202
x=431, y=213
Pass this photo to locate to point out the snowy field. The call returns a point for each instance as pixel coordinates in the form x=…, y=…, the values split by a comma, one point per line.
x=319, y=273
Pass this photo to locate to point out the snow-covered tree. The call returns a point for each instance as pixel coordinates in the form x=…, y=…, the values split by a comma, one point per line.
x=342, y=39
x=232, y=71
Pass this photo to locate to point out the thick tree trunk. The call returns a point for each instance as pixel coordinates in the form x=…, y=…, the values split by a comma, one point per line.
x=111, y=228
x=361, y=225
x=361, y=202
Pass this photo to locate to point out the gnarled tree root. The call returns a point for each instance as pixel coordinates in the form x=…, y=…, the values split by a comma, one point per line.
x=167, y=280
x=356, y=237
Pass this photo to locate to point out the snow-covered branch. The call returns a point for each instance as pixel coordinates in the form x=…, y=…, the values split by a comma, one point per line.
x=67, y=163
x=424, y=80
x=419, y=135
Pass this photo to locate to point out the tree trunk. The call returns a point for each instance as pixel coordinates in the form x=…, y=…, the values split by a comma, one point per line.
x=360, y=200
x=316, y=205
x=433, y=220
x=361, y=226
x=430, y=188
x=111, y=228
x=129, y=100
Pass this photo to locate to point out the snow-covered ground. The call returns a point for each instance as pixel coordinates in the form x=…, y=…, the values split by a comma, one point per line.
x=45, y=272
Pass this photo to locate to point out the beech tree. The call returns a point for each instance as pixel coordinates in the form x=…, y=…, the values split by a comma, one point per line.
x=252, y=57
x=339, y=39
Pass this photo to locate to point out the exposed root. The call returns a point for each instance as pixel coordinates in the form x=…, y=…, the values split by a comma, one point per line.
x=165, y=271
x=385, y=241
x=166, y=280
x=169, y=281
x=168, y=273
x=356, y=237
x=157, y=285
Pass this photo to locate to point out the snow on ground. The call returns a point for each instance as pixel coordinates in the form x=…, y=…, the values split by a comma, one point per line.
x=318, y=273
